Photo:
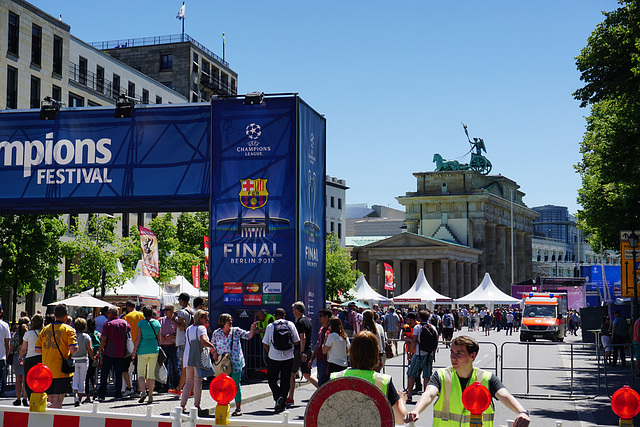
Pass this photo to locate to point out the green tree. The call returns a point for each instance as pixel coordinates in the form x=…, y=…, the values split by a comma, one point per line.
x=94, y=250
x=30, y=252
x=610, y=166
x=191, y=229
x=340, y=277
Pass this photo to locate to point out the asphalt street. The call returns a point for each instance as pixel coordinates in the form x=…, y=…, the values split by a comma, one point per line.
x=562, y=385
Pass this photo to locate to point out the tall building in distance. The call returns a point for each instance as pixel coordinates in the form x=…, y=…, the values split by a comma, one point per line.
x=336, y=207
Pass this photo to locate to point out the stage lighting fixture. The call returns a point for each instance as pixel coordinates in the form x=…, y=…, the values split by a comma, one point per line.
x=124, y=106
x=49, y=108
x=253, y=98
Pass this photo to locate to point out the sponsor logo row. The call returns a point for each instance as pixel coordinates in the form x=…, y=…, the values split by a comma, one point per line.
x=249, y=299
x=252, y=288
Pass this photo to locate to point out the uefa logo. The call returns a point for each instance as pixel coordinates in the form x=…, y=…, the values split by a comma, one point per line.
x=253, y=131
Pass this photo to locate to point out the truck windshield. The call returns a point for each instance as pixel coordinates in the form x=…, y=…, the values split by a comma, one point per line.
x=540, y=311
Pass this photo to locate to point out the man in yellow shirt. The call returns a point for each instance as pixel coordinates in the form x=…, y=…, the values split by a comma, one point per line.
x=55, y=342
x=132, y=316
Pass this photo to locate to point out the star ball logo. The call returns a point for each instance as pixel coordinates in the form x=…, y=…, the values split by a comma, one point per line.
x=253, y=131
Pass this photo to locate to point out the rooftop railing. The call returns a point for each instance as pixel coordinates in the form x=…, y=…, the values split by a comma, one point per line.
x=155, y=40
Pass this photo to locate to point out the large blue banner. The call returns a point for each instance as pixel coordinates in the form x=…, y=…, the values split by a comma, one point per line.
x=595, y=282
x=312, y=213
x=88, y=161
x=253, y=212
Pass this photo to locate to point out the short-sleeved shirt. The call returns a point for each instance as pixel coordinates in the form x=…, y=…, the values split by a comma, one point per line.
x=80, y=356
x=31, y=336
x=65, y=337
x=494, y=383
x=337, y=354
x=5, y=333
x=391, y=322
x=149, y=340
x=132, y=319
x=275, y=354
x=303, y=326
x=222, y=344
x=186, y=314
x=620, y=326
x=115, y=332
x=100, y=321
x=167, y=327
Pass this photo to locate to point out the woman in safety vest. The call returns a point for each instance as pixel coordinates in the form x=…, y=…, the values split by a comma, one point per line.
x=364, y=358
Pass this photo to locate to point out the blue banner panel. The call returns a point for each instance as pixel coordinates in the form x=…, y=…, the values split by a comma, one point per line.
x=88, y=161
x=312, y=212
x=595, y=283
x=253, y=212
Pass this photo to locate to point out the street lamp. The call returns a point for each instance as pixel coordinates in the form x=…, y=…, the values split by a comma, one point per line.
x=633, y=242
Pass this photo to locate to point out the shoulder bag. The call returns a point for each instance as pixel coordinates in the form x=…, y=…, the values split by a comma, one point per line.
x=68, y=365
x=162, y=356
x=128, y=349
x=222, y=365
x=199, y=358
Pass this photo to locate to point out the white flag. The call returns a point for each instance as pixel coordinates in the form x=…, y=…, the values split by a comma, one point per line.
x=181, y=12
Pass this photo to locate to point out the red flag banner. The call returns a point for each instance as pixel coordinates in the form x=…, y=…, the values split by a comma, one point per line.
x=195, y=275
x=206, y=257
x=149, y=244
x=388, y=277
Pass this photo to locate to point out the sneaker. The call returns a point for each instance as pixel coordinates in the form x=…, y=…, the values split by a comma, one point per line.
x=150, y=400
x=280, y=405
x=143, y=396
x=76, y=403
x=17, y=402
x=176, y=392
x=25, y=402
x=202, y=413
x=135, y=394
x=128, y=392
x=289, y=401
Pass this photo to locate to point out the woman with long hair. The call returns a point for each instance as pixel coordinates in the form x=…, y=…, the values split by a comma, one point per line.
x=17, y=340
x=226, y=339
x=195, y=333
x=369, y=324
x=364, y=359
x=336, y=346
x=81, y=360
x=146, y=348
x=28, y=356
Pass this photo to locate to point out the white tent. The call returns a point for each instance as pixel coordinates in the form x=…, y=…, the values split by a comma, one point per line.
x=487, y=293
x=364, y=292
x=421, y=293
x=140, y=287
x=178, y=285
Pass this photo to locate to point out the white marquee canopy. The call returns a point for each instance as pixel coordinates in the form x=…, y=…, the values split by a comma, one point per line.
x=487, y=293
x=364, y=292
x=422, y=293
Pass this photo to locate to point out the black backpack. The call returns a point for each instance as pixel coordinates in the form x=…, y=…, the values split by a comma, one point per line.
x=428, y=339
x=282, y=336
x=446, y=321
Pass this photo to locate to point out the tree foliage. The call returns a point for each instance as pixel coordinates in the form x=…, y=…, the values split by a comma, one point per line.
x=340, y=277
x=30, y=252
x=610, y=166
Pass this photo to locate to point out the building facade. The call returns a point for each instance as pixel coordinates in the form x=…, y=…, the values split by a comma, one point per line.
x=336, y=207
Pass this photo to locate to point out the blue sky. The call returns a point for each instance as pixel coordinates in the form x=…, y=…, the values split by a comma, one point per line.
x=396, y=79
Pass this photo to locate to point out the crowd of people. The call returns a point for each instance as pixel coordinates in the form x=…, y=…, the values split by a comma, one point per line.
x=351, y=341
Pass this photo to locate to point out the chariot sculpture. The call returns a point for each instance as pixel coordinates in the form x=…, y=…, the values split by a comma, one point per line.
x=478, y=162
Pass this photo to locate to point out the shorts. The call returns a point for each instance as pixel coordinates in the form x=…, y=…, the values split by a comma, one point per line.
x=126, y=362
x=420, y=363
x=181, y=353
x=392, y=335
x=147, y=365
x=299, y=364
x=60, y=386
x=18, y=369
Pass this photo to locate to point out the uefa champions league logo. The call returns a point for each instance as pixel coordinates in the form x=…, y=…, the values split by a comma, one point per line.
x=253, y=131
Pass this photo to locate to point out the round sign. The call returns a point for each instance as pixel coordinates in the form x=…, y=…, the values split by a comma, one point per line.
x=348, y=401
x=476, y=398
x=222, y=389
x=39, y=378
x=625, y=402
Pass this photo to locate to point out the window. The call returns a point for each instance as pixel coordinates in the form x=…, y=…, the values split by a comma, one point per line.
x=333, y=203
x=339, y=230
x=195, y=63
x=36, y=45
x=206, y=67
x=75, y=100
x=12, y=87
x=145, y=96
x=82, y=70
x=57, y=55
x=116, y=85
x=56, y=93
x=333, y=226
x=99, y=79
x=131, y=90
x=35, y=92
x=166, y=61
x=14, y=32
x=339, y=203
x=233, y=85
x=194, y=95
x=92, y=103
x=158, y=99
x=224, y=81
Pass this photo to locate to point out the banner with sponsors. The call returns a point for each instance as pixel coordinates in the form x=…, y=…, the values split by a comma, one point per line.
x=312, y=213
x=149, y=244
x=206, y=257
x=87, y=159
x=253, y=210
x=388, y=277
x=195, y=275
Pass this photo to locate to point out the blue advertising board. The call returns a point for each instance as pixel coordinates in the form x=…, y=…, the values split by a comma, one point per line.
x=595, y=283
x=88, y=161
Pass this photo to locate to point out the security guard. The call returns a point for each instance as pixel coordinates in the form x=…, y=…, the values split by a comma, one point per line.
x=450, y=382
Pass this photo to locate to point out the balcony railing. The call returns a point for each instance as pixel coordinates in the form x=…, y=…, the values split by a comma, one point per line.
x=156, y=40
x=218, y=86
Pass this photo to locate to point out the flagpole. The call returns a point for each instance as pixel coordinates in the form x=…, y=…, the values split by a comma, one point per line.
x=223, y=55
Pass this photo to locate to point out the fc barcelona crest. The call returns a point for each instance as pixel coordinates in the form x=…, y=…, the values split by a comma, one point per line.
x=253, y=193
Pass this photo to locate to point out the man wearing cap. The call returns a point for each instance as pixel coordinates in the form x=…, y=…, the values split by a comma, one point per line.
x=5, y=334
x=167, y=340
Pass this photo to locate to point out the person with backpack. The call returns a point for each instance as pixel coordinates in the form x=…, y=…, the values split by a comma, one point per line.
x=424, y=343
x=278, y=341
x=448, y=326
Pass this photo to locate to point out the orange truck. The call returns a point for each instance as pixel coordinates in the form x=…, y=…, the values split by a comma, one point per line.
x=544, y=315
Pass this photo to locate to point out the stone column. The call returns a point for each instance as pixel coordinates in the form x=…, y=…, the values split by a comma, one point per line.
x=467, y=278
x=474, y=276
x=428, y=271
x=453, y=279
x=460, y=279
x=420, y=265
x=405, y=267
x=500, y=255
x=479, y=236
x=528, y=253
x=520, y=256
x=490, y=248
x=397, y=272
x=373, y=274
x=444, y=277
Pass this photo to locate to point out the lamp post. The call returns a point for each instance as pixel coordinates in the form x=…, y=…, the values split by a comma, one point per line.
x=633, y=242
